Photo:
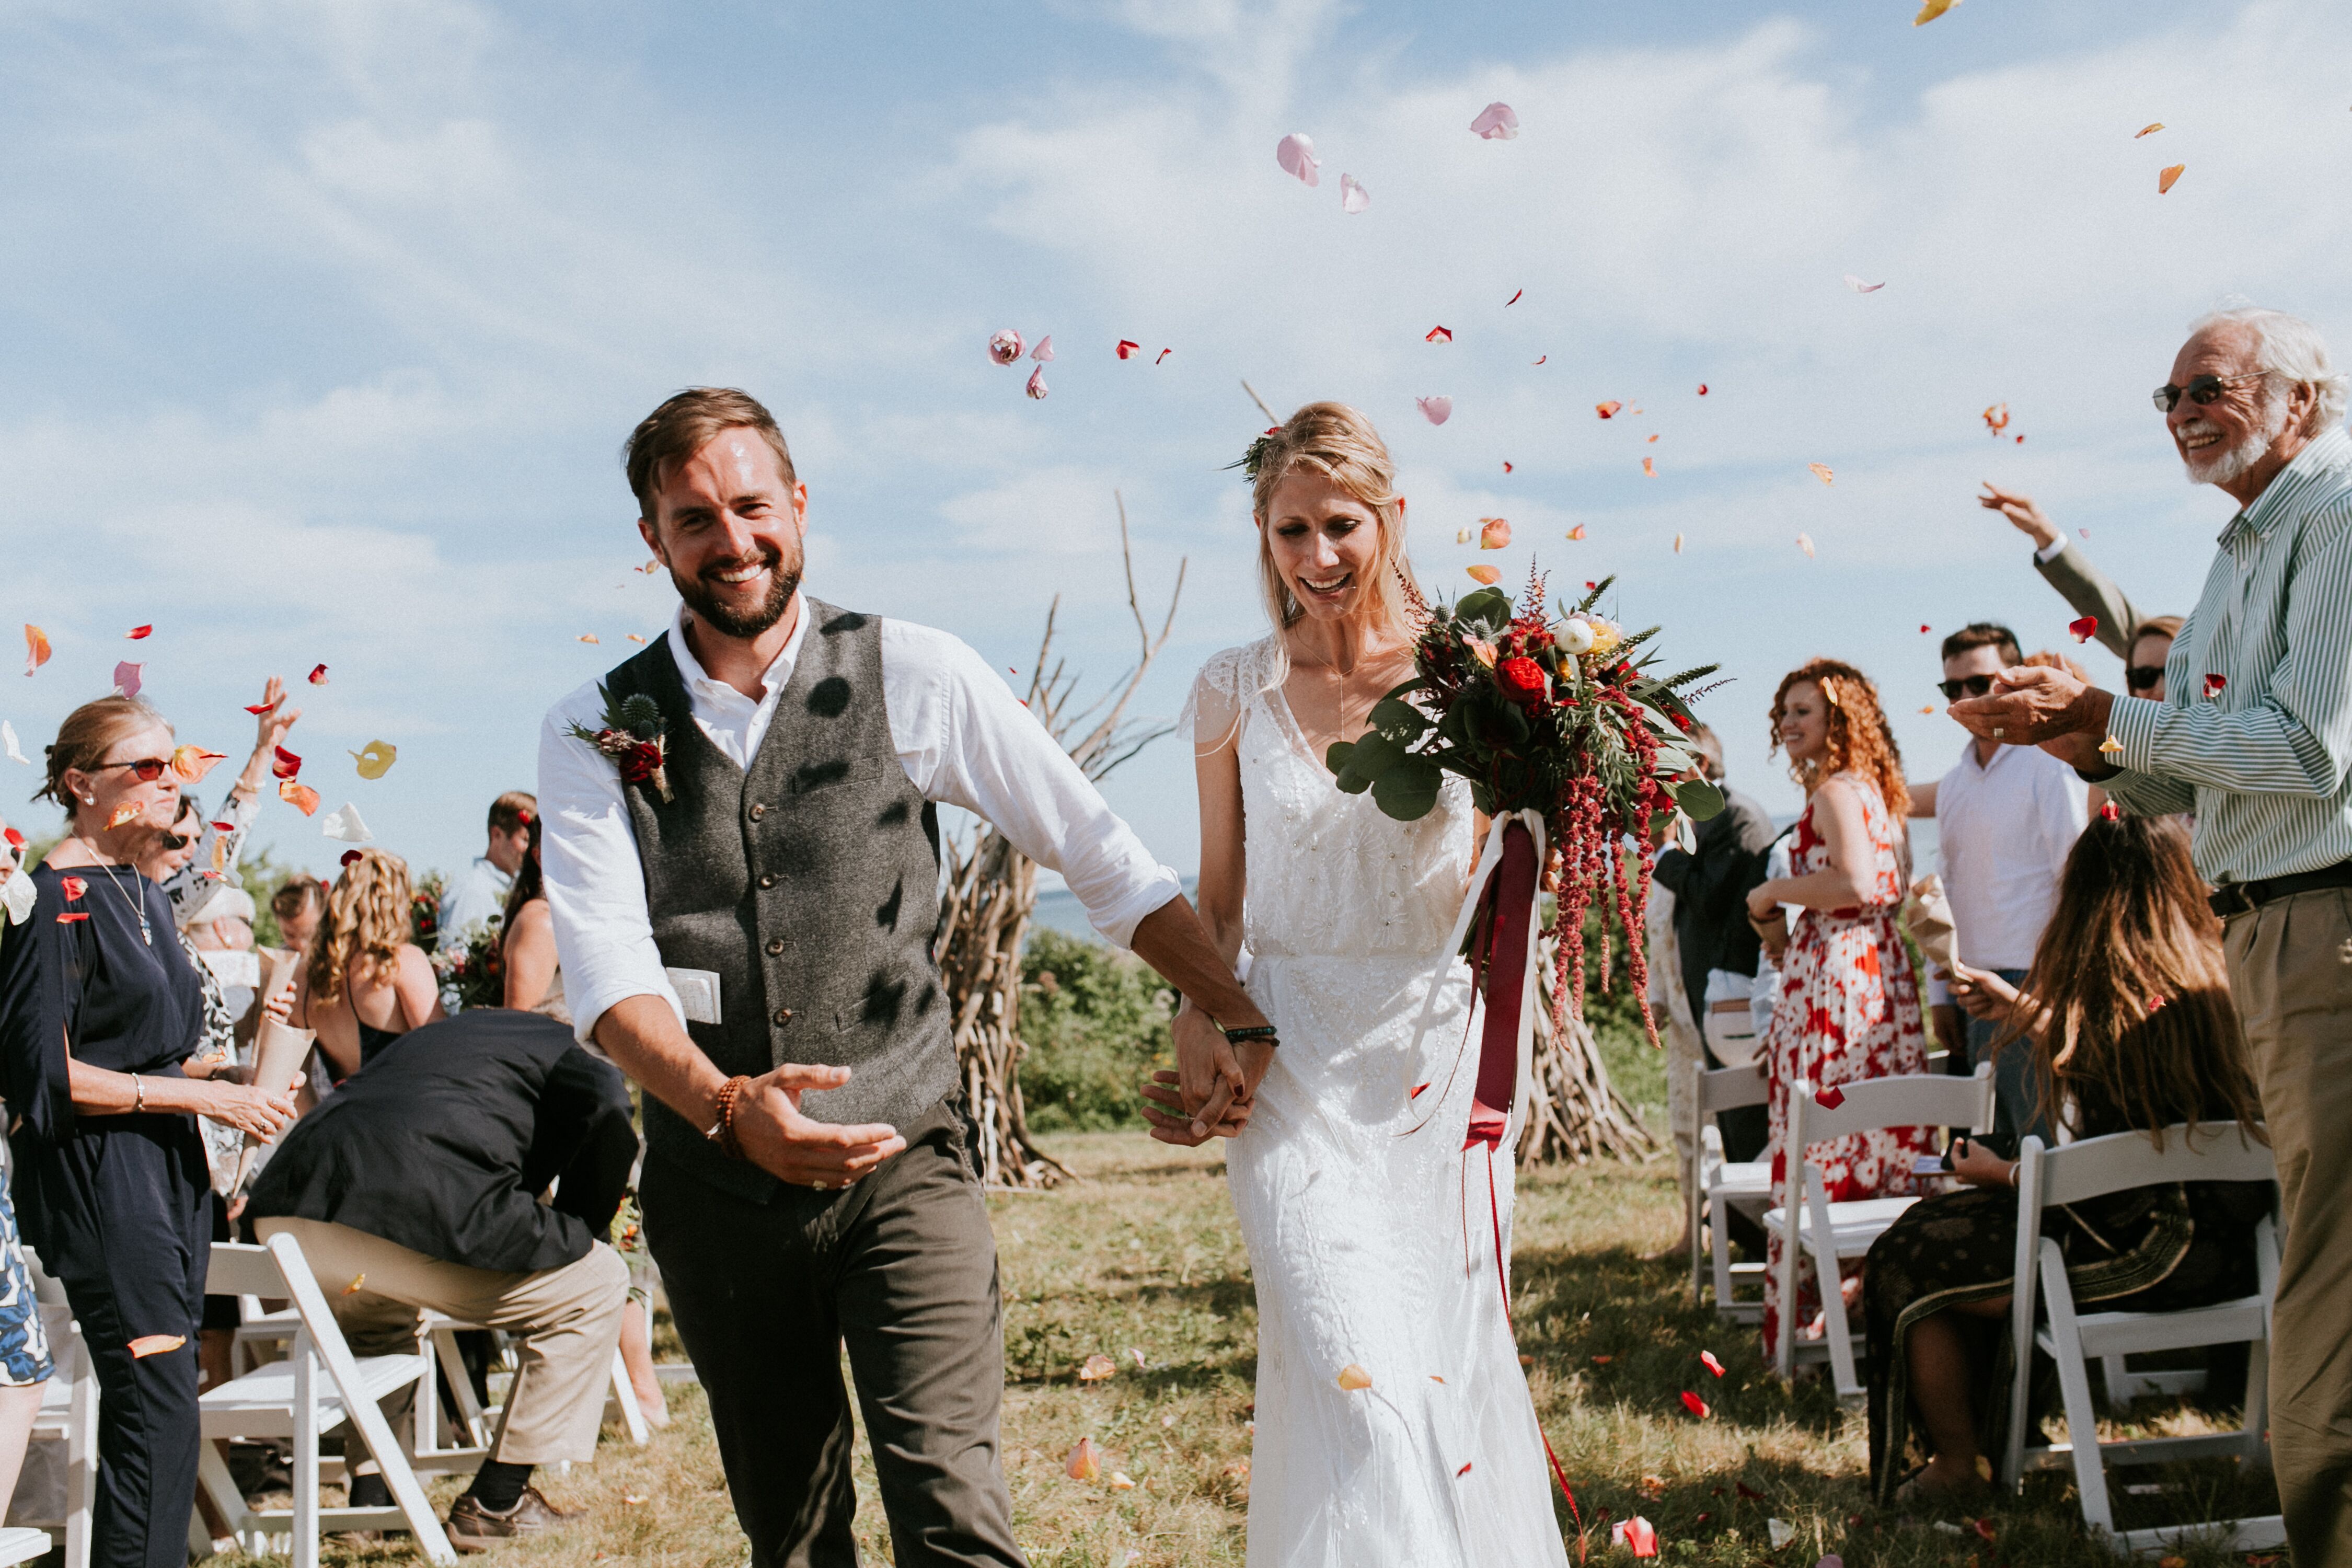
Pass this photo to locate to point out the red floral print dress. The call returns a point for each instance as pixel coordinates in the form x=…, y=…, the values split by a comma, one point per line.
x=1848, y=1009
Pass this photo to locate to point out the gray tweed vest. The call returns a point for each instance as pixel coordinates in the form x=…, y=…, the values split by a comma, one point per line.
x=809, y=885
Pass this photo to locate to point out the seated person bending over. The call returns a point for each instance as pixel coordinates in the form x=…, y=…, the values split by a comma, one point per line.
x=2131, y=926
x=415, y=1186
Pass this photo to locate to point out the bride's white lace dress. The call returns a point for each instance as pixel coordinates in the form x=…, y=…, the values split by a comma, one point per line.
x=1369, y=1248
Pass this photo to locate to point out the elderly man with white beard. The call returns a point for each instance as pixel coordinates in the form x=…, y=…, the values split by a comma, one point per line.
x=2255, y=736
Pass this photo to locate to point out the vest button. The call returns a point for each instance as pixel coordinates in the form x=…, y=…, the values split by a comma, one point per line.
x=769, y=880
x=775, y=946
x=757, y=811
x=783, y=1016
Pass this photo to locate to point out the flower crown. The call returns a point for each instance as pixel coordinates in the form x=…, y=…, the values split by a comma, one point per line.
x=1255, y=459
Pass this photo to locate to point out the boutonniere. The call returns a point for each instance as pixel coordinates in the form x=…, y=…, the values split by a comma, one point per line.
x=632, y=736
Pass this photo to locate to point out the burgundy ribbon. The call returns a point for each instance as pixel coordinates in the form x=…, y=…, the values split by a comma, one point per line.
x=1510, y=895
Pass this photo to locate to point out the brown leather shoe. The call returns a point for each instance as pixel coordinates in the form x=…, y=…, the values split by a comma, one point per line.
x=473, y=1528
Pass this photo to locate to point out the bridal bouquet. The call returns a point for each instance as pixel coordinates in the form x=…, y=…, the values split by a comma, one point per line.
x=1554, y=720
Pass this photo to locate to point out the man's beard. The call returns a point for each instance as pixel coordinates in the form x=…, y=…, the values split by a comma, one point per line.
x=2209, y=467
x=783, y=583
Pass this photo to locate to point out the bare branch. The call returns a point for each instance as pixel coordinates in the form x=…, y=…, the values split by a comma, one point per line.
x=1271, y=416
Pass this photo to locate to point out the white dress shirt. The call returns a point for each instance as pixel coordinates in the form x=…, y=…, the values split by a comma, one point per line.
x=472, y=897
x=961, y=735
x=2004, y=829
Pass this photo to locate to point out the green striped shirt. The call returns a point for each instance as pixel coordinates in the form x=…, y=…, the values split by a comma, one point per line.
x=2263, y=755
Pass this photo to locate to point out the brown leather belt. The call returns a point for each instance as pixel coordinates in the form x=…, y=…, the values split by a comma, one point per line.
x=2244, y=897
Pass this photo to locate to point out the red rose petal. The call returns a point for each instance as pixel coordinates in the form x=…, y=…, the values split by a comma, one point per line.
x=2213, y=685
x=135, y=633
x=1702, y=389
x=1984, y=1527
x=2085, y=629
x=1513, y=300
x=1747, y=1492
x=1437, y=334
x=319, y=676
x=1706, y=1359
x=1164, y=354
x=1696, y=1405
x=1829, y=1097
x=72, y=889
x=1464, y=1470
x=2109, y=812
x=15, y=840
x=350, y=856
x=1129, y=349
x=286, y=766
x=68, y=919
x=1608, y=410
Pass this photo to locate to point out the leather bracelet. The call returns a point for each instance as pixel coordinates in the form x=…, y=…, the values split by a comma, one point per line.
x=723, y=1131
x=1266, y=1032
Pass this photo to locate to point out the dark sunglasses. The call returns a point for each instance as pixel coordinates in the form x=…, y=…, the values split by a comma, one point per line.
x=146, y=770
x=1971, y=685
x=2200, y=390
x=2140, y=677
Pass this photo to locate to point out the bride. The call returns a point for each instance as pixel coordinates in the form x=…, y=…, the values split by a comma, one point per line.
x=1393, y=1423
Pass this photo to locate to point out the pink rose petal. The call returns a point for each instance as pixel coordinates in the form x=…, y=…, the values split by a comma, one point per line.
x=1859, y=286
x=126, y=678
x=1353, y=198
x=1496, y=122
x=1437, y=410
x=1004, y=347
x=1037, y=383
x=1296, y=153
x=1045, y=349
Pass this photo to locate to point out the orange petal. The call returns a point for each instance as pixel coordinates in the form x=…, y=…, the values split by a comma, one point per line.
x=1485, y=574
x=1678, y=545
x=2148, y=129
x=1493, y=533
x=146, y=1345
x=588, y=637
x=192, y=762
x=1608, y=410
x=1650, y=465
x=1084, y=1462
x=1577, y=533
x=1931, y=10
x=1996, y=418
x=300, y=796
x=1353, y=1377
x=36, y=648
x=1121, y=1482
x=635, y=638
x=1821, y=472
x=127, y=812
x=2165, y=177
x=1096, y=1368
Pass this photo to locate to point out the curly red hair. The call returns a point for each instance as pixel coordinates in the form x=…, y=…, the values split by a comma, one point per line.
x=1860, y=740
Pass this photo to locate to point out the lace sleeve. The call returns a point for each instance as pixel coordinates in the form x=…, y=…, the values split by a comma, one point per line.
x=1219, y=702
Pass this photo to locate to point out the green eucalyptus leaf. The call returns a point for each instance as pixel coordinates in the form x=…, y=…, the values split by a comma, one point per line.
x=1336, y=759
x=1399, y=722
x=1408, y=791
x=1698, y=799
x=1373, y=755
x=1491, y=606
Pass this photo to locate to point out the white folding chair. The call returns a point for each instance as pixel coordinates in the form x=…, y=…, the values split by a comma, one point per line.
x=2047, y=1178
x=69, y=1415
x=1722, y=1185
x=286, y=1398
x=1829, y=1232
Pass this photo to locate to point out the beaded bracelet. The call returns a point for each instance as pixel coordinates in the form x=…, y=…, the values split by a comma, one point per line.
x=1258, y=1032
x=723, y=1131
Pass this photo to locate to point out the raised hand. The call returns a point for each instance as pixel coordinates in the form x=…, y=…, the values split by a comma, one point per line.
x=776, y=1137
x=2023, y=514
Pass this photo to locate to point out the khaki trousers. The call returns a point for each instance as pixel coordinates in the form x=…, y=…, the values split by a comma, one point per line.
x=1686, y=1059
x=569, y=1320
x=2290, y=976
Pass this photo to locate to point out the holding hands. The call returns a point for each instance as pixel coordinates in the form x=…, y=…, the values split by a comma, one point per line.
x=1209, y=1093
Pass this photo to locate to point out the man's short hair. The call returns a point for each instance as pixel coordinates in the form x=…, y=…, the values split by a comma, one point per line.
x=682, y=426
x=1983, y=634
x=512, y=810
x=1710, y=744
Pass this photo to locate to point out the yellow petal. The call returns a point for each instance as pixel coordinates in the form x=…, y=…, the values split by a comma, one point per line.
x=1487, y=575
x=1353, y=1377
x=1821, y=472
x=375, y=758
x=1084, y=1462
x=2165, y=177
x=1678, y=545
x=2111, y=746
x=357, y=1281
x=636, y=638
x=1931, y=10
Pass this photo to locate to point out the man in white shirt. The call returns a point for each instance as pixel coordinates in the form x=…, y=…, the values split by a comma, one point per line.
x=479, y=893
x=741, y=848
x=2006, y=818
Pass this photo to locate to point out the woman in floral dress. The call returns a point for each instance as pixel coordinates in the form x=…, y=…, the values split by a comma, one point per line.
x=1849, y=1002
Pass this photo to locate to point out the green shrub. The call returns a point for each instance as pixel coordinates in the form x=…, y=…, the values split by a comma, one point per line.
x=1096, y=1024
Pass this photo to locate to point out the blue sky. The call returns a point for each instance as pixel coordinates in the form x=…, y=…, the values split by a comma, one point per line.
x=323, y=325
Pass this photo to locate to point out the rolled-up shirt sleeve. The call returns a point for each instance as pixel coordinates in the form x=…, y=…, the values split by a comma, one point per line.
x=595, y=885
x=965, y=740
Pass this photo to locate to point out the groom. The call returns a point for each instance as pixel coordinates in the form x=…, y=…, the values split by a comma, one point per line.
x=743, y=870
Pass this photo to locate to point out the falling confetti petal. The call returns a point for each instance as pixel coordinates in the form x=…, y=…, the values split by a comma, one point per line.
x=1096, y=1368
x=1128, y=348
x=1438, y=335
x=1496, y=122
x=2213, y=685
x=127, y=678
x=1750, y=1493
x=1540, y=359
x=2154, y=1002
x=1653, y=441
x=285, y=764
x=192, y=762
x=1036, y=387
x=1706, y=1359
x=1084, y=1462
x=1164, y=354
x=1821, y=472
x=300, y=796
x=64, y=920
x=1121, y=1482
x=1461, y=536
x=1929, y=709
x=1602, y=1360
x=351, y=855
x=591, y=637
x=1805, y=543
x=16, y=749
x=375, y=758
x=1004, y=347
x=1513, y=300
x=1859, y=286
x=635, y=638
x=1780, y=1529
x=135, y=633
x=1353, y=198
x=2149, y=129
x=2165, y=177
x=319, y=676
x=1642, y=1536
x=629, y=1500
x=1696, y=1405
x=36, y=648
x=1702, y=389
x=1829, y=1097
x=1983, y=1528
x=1296, y=153
x=1576, y=532
x=1045, y=349
x=72, y=889
x=1493, y=533
x=1996, y=418
x=1923, y=628
x=1353, y=1377
x=126, y=812
x=1437, y=410
x=1608, y=410
x=352, y=1288
x=2111, y=747
x=346, y=825
x=1650, y=467
x=1507, y=468
x=1487, y=575
x=1465, y=1469
x=146, y=1345
x=1138, y=1356
x=2085, y=629
x=1678, y=545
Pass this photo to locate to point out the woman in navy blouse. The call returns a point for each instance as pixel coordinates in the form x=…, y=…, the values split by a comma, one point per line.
x=100, y=1011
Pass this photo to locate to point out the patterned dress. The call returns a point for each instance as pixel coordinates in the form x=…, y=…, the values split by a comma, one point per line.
x=1848, y=1009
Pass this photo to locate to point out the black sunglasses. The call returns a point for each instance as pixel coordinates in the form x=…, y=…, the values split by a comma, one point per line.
x=146, y=770
x=2200, y=390
x=2140, y=677
x=1970, y=686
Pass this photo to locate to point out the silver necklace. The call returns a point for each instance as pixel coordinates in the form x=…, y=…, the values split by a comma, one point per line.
x=138, y=906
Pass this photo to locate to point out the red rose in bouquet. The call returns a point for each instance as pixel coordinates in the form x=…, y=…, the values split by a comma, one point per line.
x=1523, y=680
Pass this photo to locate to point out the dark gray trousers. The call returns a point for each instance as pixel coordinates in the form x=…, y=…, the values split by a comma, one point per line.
x=902, y=1268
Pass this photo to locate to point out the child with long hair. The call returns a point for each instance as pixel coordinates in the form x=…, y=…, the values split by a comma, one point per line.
x=2126, y=1020
x=365, y=984
x=1848, y=1004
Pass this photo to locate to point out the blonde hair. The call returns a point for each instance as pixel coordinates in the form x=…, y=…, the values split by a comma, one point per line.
x=90, y=733
x=365, y=924
x=1337, y=443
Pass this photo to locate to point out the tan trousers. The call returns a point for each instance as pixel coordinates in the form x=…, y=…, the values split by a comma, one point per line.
x=569, y=1320
x=2290, y=976
x=1685, y=1059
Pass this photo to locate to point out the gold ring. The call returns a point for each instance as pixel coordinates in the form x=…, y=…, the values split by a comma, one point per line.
x=818, y=1184
x=1998, y=731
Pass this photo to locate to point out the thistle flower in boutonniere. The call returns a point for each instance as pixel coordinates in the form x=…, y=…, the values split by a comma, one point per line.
x=632, y=736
